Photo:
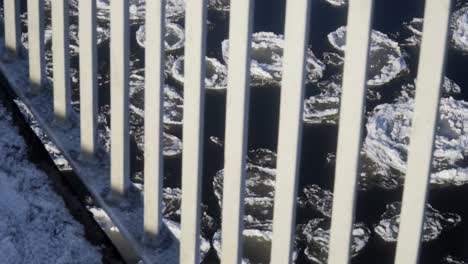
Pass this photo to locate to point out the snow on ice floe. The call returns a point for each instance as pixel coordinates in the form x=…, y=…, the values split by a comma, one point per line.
x=459, y=28
x=435, y=223
x=385, y=58
x=35, y=225
x=385, y=147
x=316, y=235
x=267, y=59
x=175, y=37
x=337, y=3
x=216, y=72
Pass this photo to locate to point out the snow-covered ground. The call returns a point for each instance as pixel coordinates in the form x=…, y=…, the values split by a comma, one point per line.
x=35, y=226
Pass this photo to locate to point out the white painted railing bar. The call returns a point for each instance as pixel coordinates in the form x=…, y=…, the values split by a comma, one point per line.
x=290, y=129
x=11, y=13
x=425, y=117
x=36, y=44
x=350, y=128
x=237, y=118
x=154, y=96
x=61, y=59
x=119, y=74
x=88, y=77
x=192, y=131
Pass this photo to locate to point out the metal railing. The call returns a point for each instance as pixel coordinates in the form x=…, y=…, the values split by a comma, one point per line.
x=431, y=67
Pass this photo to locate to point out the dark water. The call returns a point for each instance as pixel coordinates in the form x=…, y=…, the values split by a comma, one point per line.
x=317, y=141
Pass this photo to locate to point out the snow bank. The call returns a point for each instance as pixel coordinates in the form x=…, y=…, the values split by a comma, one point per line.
x=267, y=59
x=35, y=226
x=385, y=58
x=434, y=223
x=386, y=145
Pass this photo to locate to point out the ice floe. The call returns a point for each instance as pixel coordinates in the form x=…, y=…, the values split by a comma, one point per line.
x=175, y=37
x=452, y=260
x=386, y=60
x=219, y=5
x=258, y=205
x=267, y=59
x=459, y=28
x=413, y=29
x=337, y=3
x=315, y=198
x=385, y=147
x=323, y=107
x=172, y=200
x=216, y=73
x=316, y=235
x=434, y=223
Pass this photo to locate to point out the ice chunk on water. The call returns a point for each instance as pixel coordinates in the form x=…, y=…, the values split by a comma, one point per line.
x=172, y=200
x=434, y=223
x=316, y=235
x=386, y=60
x=459, y=27
x=414, y=29
x=337, y=3
x=452, y=260
x=175, y=37
x=267, y=59
x=216, y=73
x=219, y=5
x=315, y=198
x=385, y=147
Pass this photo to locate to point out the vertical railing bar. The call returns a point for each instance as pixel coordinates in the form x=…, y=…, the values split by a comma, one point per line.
x=350, y=128
x=61, y=59
x=430, y=74
x=154, y=96
x=36, y=44
x=119, y=70
x=237, y=118
x=12, y=27
x=88, y=77
x=194, y=100
x=290, y=129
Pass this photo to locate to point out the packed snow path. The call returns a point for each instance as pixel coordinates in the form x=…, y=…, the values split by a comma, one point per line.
x=35, y=226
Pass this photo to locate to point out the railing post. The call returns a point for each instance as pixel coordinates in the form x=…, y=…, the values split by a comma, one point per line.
x=36, y=44
x=12, y=27
x=237, y=118
x=119, y=66
x=192, y=157
x=350, y=128
x=61, y=59
x=154, y=96
x=290, y=130
x=425, y=117
x=88, y=77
